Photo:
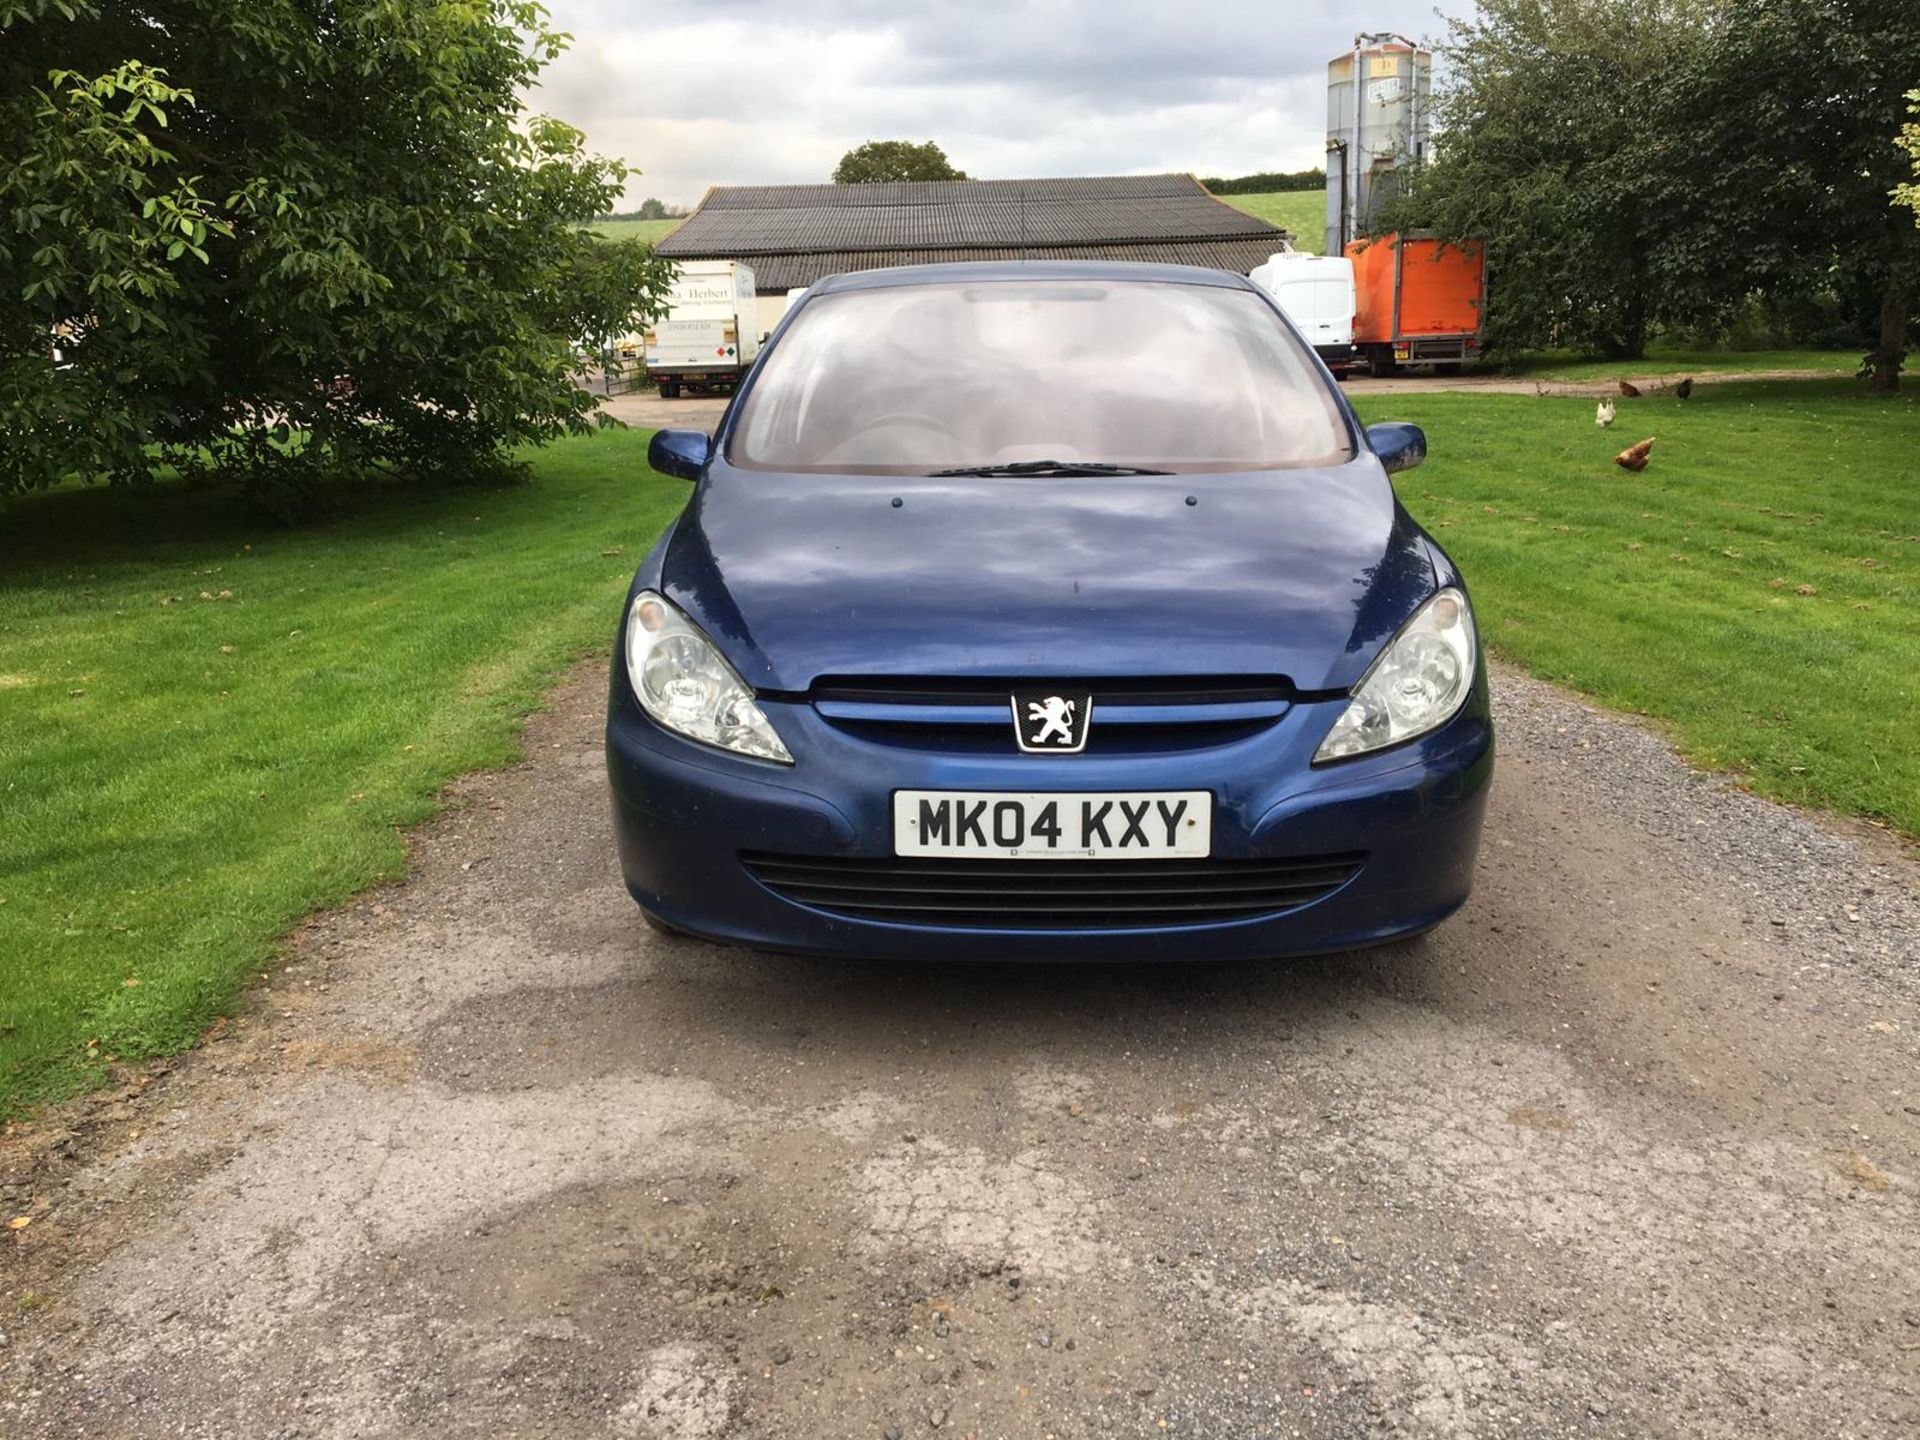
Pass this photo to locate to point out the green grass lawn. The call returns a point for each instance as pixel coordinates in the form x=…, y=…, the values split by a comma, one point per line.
x=214, y=726
x=1757, y=588
x=1304, y=212
x=1558, y=365
x=652, y=231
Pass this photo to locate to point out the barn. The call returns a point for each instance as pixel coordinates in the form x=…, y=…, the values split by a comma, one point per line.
x=793, y=235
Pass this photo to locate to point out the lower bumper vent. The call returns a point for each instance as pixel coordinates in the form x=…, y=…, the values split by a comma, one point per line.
x=1053, y=894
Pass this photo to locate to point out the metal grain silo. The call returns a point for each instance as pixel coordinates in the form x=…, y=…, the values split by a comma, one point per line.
x=1377, y=97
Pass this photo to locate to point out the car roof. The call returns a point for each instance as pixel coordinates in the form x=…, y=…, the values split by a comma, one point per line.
x=976, y=272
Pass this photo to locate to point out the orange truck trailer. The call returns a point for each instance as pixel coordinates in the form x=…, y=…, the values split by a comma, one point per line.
x=1418, y=300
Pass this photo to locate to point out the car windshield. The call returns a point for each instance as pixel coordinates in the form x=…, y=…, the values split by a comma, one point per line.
x=910, y=379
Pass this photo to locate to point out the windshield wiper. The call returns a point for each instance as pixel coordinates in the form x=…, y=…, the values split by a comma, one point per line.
x=1051, y=467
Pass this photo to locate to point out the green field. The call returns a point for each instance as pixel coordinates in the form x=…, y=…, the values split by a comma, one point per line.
x=214, y=725
x=651, y=231
x=1757, y=588
x=1304, y=212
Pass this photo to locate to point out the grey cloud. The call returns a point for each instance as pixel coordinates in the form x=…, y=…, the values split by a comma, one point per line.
x=775, y=90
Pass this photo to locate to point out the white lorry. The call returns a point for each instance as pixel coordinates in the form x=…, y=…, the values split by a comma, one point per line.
x=1317, y=294
x=711, y=330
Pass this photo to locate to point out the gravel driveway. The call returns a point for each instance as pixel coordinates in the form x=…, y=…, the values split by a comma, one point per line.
x=1628, y=1148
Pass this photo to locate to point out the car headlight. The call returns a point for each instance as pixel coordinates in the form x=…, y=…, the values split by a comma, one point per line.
x=686, y=684
x=1419, y=682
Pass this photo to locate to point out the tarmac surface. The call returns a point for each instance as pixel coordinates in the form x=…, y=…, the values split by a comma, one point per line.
x=1628, y=1147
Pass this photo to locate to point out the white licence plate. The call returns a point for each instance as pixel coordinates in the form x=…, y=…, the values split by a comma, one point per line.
x=1053, y=825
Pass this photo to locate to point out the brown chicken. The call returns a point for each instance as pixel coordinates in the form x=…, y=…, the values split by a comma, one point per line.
x=1634, y=457
x=1631, y=391
x=1684, y=388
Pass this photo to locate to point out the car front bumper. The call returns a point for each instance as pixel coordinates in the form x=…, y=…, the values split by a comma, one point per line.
x=684, y=815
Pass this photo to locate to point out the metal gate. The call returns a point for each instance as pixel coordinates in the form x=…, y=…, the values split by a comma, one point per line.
x=622, y=369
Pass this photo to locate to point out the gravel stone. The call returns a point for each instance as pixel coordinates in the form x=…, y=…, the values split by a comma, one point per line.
x=1805, y=873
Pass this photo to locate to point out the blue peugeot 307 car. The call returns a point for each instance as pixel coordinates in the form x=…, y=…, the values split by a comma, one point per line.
x=1046, y=611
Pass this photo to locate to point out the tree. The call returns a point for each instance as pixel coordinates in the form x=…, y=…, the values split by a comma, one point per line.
x=648, y=209
x=879, y=161
x=1631, y=163
x=1908, y=193
x=292, y=241
x=1551, y=152
x=1266, y=182
x=1785, y=129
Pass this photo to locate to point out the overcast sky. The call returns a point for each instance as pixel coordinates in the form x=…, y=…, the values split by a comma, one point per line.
x=763, y=91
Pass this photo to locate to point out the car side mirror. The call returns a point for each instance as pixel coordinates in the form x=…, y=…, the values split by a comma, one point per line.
x=1399, y=447
x=681, y=453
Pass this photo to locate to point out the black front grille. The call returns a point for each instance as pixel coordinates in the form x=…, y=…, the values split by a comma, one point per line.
x=1131, y=716
x=1053, y=894
x=1134, y=690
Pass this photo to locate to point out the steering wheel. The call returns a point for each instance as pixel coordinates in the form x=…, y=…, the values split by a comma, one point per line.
x=870, y=444
x=917, y=422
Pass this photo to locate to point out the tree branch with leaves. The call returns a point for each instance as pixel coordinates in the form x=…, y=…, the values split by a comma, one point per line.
x=1908, y=193
x=880, y=161
x=292, y=244
x=1633, y=164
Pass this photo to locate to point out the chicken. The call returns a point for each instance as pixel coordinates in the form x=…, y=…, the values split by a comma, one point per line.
x=1634, y=457
x=1684, y=388
x=1631, y=391
x=1603, y=414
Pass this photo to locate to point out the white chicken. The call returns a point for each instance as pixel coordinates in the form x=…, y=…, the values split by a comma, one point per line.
x=1603, y=414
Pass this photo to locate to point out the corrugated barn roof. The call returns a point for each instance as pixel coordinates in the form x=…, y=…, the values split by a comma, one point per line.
x=775, y=273
x=793, y=235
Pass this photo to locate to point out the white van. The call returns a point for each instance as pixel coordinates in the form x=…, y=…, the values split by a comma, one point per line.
x=1316, y=292
x=711, y=331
